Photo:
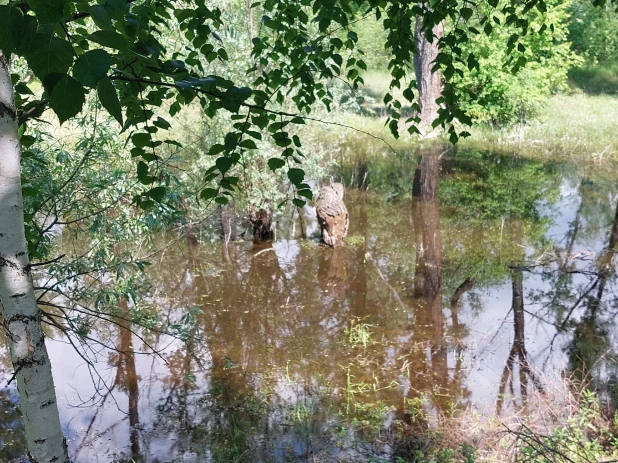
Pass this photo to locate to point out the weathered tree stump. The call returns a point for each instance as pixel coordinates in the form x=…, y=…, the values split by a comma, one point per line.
x=332, y=215
x=263, y=227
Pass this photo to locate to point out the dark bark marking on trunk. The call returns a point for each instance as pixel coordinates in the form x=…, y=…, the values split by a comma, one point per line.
x=18, y=295
x=28, y=362
x=47, y=404
x=5, y=110
x=15, y=266
x=40, y=441
x=24, y=318
x=7, y=263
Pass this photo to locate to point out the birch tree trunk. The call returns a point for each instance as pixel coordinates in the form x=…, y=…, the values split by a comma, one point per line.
x=20, y=313
x=429, y=83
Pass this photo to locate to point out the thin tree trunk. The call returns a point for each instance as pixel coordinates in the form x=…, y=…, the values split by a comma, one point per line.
x=21, y=315
x=429, y=83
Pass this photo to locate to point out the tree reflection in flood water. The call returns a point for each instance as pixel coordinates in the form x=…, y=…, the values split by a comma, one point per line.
x=467, y=277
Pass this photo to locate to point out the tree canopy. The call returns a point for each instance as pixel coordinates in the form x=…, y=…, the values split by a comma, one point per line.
x=141, y=57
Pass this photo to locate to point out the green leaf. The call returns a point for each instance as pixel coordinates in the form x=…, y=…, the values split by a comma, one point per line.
x=48, y=11
x=221, y=200
x=299, y=202
x=142, y=173
x=49, y=55
x=239, y=93
x=141, y=139
x=67, y=98
x=275, y=163
x=157, y=193
x=216, y=149
x=11, y=28
x=110, y=39
x=296, y=176
x=306, y=193
x=109, y=98
x=248, y=144
x=162, y=124
x=91, y=67
x=224, y=164
x=100, y=16
x=208, y=193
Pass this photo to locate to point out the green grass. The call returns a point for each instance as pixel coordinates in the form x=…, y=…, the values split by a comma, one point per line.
x=575, y=125
x=581, y=125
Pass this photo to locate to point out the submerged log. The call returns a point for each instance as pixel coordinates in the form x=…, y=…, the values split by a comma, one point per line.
x=332, y=215
x=263, y=227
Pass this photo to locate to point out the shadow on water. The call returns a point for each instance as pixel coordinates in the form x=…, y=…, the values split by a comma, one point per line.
x=299, y=351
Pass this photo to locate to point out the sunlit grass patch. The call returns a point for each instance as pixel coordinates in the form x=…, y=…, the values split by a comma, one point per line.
x=577, y=125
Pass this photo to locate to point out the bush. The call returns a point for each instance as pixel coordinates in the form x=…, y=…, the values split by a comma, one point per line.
x=592, y=30
x=496, y=95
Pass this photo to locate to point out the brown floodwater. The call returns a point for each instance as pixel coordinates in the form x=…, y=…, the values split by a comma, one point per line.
x=467, y=282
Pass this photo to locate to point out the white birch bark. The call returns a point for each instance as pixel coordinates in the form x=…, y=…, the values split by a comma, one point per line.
x=20, y=313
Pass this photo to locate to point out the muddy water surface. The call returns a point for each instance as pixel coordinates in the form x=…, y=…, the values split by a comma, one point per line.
x=468, y=281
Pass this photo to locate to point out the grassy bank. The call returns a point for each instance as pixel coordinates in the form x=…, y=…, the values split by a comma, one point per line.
x=557, y=426
x=575, y=125
x=581, y=124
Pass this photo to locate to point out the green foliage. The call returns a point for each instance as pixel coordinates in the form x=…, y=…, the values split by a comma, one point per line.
x=75, y=46
x=592, y=31
x=502, y=85
x=585, y=438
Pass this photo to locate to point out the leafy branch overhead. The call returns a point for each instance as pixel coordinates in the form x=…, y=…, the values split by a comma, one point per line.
x=115, y=48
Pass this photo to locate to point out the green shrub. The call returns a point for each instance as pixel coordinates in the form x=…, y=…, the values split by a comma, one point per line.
x=592, y=30
x=493, y=93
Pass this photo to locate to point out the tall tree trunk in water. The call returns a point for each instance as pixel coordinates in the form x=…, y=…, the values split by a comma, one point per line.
x=21, y=315
x=429, y=83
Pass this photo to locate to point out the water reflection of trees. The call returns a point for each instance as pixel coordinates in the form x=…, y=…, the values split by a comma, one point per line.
x=592, y=352
x=268, y=362
x=275, y=318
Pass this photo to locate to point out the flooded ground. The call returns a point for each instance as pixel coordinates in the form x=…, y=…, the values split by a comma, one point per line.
x=468, y=281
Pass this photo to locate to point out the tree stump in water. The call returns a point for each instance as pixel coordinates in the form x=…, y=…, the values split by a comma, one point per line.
x=332, y=215
x=263, y=227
